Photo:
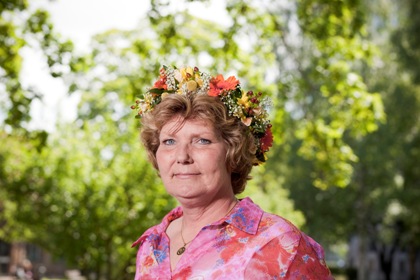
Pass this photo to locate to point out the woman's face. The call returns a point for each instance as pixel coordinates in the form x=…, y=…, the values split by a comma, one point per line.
x=191, y=160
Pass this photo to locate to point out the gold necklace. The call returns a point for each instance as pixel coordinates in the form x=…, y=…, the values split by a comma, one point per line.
x=182, y=249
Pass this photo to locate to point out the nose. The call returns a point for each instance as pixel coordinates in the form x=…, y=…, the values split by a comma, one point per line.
x=183, y=154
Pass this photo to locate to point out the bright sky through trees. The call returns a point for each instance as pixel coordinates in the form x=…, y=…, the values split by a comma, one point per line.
x=79, y=20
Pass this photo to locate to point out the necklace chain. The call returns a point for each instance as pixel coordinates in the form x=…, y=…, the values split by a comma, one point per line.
x=181, y=250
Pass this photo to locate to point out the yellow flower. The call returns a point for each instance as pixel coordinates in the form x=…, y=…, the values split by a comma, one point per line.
x=191, y=85
x=198, y=79
x=243, y=100
x=186, y=72
x=164, y=95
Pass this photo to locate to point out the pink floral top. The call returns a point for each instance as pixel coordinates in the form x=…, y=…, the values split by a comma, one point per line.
x=247, y=244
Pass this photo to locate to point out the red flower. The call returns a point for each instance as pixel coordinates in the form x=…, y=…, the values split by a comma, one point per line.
x=161, y=83
x=219, y=84
x=267, y=140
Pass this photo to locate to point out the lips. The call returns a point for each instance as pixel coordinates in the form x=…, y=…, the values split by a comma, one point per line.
x=185, y=175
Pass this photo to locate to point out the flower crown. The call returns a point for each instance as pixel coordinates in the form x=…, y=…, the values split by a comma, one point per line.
x=249, y=107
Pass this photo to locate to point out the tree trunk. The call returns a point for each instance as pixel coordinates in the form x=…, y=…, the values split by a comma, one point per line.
x=361, y=269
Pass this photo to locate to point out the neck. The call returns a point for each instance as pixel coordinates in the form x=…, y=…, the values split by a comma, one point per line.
x=195, y=217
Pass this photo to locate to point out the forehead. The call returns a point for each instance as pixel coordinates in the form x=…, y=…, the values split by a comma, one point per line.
x=177, y=123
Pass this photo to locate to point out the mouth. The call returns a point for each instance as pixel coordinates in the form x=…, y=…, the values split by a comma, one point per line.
x=185, y=175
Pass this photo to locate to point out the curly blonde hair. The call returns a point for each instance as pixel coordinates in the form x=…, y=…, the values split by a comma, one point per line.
x=239, y=141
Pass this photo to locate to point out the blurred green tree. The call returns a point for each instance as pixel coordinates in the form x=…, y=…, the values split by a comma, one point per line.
x=380, y=203
x=312, y=57
x=22, y=27
x=67, y=196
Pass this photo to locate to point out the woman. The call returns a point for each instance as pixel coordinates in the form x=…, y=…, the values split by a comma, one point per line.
x=204, y=134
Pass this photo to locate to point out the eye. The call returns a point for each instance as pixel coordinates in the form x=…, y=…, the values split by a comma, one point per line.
x=168, y=142
x=204, y=141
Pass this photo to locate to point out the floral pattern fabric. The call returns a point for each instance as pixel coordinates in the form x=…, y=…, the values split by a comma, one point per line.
x=247, y=244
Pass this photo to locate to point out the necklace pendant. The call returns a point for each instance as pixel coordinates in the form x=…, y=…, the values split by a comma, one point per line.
x=180, y=251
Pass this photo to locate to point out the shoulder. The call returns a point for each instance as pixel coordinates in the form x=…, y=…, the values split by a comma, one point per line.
x=287, y=251
x=287, y=235
x=249, y=217
x=266, y=225
x=276, y=223
x=277, y=232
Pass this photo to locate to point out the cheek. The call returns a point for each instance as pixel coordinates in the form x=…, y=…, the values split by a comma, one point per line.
x=219, y=161
x=159, y=159
x=164, y=160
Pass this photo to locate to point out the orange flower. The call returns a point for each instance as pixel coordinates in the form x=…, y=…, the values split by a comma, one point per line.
x=219, y=84
x=230, y=83
x=267, y=140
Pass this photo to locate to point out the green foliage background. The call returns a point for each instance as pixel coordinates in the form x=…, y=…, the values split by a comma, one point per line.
x=344, y=80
